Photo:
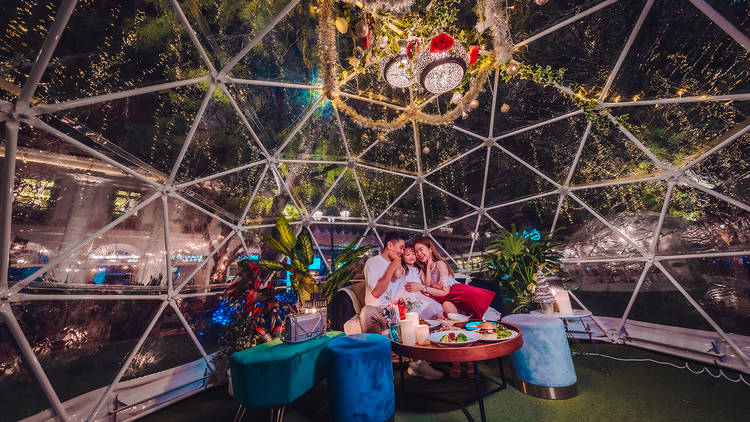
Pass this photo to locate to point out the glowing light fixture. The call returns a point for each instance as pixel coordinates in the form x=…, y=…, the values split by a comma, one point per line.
x=396, y=70
x=442, y=66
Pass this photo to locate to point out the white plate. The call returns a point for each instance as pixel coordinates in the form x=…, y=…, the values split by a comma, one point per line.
x=433, y=322
x=471, y=335
x=494, y=340
x=458, y=317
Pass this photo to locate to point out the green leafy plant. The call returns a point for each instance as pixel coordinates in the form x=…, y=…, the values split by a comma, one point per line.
x=515, y=257
x=299, y=253
x=345, y=267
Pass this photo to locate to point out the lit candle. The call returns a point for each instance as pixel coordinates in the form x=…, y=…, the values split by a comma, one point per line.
x=408, y=334
x=423, y=332
x=562, y=299
x=412, y=316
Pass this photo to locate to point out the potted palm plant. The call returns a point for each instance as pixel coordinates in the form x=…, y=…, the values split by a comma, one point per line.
x=514, y=259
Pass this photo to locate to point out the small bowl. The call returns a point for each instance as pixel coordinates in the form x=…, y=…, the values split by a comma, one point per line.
x=458, y=317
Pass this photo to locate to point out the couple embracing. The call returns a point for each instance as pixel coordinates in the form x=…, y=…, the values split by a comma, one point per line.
x=417, y=273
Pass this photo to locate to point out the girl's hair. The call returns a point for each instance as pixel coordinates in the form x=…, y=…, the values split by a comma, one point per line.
x=403, y=262
x=435, y=255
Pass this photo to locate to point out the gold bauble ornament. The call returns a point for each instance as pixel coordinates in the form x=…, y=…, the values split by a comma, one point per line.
x=362, y=29
x=541, y=2
x=512, y=69
x=504, y=108
x=425, y=150
x=473, y=104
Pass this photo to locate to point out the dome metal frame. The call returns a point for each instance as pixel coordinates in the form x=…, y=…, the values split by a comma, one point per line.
x=24, y=112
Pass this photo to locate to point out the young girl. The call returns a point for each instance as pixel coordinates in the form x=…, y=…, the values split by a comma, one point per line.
x=426, y=307
x=438, y=282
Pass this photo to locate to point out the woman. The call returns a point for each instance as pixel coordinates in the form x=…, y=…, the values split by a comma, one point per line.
x=426, y=307
x=438, y=282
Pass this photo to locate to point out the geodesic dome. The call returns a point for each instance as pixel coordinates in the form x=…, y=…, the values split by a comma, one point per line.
x=148, y=146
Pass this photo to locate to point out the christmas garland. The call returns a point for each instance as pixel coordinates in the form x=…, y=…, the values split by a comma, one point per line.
x=327, y=45
x=491, y=15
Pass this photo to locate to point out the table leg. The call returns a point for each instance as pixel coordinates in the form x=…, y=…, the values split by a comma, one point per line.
x=401, y=371
x=502, y=372
x=477, y=377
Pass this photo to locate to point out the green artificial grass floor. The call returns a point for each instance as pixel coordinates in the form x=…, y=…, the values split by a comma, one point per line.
x=635, y=391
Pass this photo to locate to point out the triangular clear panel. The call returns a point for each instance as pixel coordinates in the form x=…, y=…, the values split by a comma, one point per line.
x=439, y=144
x=676, y=133
x=533, y=214
x=705, y=223
x=508, y=179
x=381, y=189
x=528, y=103
x=605, y=288
x=274, y=112
x=633, y=208
x=550, y=148
x=587, y=48
x=129, y=256
x=319, y=139
x=407, y=211
x=227, y=194
x=310, y=183
x=725, y=171
x=719, y=285
x=659, y=302
x=610, y=157
x=674, y=55
x=18, y=381
x=464, y=177
x=587, y=236
x=167, y=345
x=115, y=48
x=441, y=207
x=193, y=236
x=82, y=337
x=395, y=151
x=456, y=238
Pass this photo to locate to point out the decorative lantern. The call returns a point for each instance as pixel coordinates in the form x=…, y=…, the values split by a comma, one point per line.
x=396, y=70
x=442, y=66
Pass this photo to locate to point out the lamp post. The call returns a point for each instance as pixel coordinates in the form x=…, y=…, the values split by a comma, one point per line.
x=344, y=215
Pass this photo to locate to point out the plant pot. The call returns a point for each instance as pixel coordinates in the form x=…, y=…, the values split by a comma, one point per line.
x=548, y=308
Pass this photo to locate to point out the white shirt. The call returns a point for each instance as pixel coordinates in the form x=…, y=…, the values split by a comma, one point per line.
x=426, y=307
x=374, y=269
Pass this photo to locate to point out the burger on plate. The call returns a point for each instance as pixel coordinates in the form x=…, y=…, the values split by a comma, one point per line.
x=487, y=331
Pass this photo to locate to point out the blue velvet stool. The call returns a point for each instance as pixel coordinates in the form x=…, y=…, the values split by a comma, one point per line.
x=360, y=381
x=543, y=366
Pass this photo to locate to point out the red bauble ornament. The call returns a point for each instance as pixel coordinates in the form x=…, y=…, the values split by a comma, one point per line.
x=441, y=43
x=473, y=54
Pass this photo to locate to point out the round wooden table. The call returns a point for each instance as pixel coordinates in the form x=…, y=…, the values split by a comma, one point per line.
x=473, y=353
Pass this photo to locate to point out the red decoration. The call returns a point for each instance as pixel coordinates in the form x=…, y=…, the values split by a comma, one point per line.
x=441, y=43
x=473, y=54
x=368, y=41
x=412, y=48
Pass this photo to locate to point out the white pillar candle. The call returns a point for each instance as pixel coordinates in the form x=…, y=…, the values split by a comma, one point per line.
x=408, y=334
x=562, y=299
x=412, y=316
x=423, y=332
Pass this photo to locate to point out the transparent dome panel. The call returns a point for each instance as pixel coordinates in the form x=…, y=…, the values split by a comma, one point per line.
x=440, y=144
x=725, y=172
x=674, y=55
x=509, y=179
x=18, y=381
x=396, y=151
x=442, y=206
x=107, y=48
x=462, y=176
x=528, y=19
x=271, y=199
x=407, y=211
x=604, y=287
x=381, y=190
x=320, y=138
x=82, y=344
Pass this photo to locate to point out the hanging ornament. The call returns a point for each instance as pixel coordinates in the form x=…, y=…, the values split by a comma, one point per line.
x=456, y=98
x=442, y=66
x=425, y=150
x=396, y=70
x=504, y=108
x=473, y=104
x=358, y=53
x=473, y=54
x=362, y=28
x=412, y=48
x=512, y=69
x=464, y=115
x=382, y=43
x=541, y=2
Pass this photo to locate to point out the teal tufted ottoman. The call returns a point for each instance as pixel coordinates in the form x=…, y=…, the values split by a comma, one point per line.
x=275, y=374
x=543, y=367
x=360, y=384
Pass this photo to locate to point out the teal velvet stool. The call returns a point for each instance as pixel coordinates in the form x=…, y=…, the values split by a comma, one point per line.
x=360, y=383
x=275, y=374
x=543, y=366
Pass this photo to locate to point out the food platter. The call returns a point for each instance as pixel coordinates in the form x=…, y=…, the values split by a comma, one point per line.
x=514, y=334
x=439, y=336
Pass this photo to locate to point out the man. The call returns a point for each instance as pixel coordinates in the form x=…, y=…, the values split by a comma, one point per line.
x=382, y=289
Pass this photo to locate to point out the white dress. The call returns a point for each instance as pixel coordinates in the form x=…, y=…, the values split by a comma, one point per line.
x=426, y=307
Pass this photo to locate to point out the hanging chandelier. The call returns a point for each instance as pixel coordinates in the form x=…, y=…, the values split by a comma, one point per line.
x=396, y=70
x=442, y=66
